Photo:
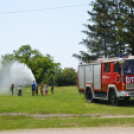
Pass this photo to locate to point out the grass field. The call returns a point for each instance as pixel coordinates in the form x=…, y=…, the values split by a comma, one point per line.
x=23, y=122
x=65, y=100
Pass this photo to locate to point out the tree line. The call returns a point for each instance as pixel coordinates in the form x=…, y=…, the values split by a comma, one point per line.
x=110, y=31
x=42, y=66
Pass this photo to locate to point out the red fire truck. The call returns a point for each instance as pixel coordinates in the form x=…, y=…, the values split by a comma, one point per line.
x=110, y=79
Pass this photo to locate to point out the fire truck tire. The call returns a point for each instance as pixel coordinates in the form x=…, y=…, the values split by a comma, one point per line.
x=89, y=96
x=126, y=99
x=114, y=100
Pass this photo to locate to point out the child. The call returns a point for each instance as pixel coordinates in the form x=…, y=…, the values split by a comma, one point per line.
x=41, y=90
x=12, y=88
x=20, y=91
x=46, y=89
x=52, y=87
x=36, y=90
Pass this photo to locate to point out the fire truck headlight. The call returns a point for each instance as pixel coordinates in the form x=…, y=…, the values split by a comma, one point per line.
x=126, y=94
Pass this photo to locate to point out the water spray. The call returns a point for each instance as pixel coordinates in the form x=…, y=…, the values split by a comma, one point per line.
x=15, y=73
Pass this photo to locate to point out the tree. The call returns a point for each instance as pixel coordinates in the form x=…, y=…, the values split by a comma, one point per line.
x=39, y=66
x=97, y=33
x=105, y=34
x=66, y=77
x=6, y=58
x=128, y=24
x=43, y=67
x=24, y=54
x=117, y=25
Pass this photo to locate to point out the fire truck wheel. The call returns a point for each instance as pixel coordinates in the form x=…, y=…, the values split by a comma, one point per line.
x=113, y=99
x=89, y=95
x=126, y=99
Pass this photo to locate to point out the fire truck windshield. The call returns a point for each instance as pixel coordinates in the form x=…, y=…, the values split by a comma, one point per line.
x=128, y=67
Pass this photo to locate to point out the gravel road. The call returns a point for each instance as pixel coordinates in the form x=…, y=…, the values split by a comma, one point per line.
x=92, y=130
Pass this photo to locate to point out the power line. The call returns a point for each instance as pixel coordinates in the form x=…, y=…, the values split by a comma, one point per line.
x=43, y=9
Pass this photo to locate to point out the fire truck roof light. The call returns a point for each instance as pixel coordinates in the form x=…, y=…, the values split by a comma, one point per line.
x=120, y=55
x=126, y=95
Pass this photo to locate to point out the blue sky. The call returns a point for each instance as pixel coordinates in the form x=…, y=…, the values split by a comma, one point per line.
x=56, y=32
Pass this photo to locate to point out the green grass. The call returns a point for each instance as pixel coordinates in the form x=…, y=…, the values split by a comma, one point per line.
x=24, y=122
x=65, y=100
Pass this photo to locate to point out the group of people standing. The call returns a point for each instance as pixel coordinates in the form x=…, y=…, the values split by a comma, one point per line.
x=19, y=90
x=34, y=88
x=42, y=89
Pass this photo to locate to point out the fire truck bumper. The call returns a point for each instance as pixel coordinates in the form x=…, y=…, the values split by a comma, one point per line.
x=125, y=93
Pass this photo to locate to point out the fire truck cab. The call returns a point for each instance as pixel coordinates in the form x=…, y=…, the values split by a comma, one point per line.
x=110, y=79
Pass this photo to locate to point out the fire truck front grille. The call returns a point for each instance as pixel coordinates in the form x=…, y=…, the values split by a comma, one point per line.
x=129, y=86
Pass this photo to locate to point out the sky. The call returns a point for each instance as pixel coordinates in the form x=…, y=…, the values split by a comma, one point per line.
x=56, y=31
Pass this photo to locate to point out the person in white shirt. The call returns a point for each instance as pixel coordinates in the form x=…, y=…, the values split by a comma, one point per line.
x=129, y=69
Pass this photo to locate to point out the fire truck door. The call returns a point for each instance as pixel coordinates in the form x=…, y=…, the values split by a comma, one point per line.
x=106, y=76
x=97, y=76
x=81, y=77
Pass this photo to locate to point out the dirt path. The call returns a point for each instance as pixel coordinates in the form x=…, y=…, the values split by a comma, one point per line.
x=92, y=130
x=69, y=115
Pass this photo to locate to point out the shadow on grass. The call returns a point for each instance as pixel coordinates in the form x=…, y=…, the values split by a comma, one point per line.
x=123, y=103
